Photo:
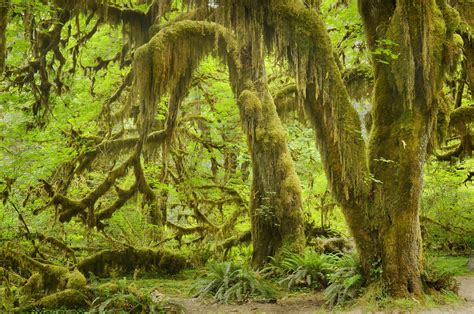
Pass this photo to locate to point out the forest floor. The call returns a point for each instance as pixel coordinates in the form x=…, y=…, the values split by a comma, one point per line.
x=175, y=289
x=307, y=303
x=313, y=302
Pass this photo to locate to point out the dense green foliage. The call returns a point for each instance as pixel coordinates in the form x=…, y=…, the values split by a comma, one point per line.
x=229, y=282
x=86, y=175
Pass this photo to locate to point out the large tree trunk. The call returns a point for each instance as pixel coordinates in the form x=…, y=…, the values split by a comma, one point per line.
x=407, y=83
x=276, y=204
x=397, y=151
x=276, y=209
x=381, y=203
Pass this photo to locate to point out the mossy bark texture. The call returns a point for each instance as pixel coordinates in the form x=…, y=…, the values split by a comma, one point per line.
x=276, y=204
x=4, y=9
x=379, y=187
x=405, y=92
x=276, y=208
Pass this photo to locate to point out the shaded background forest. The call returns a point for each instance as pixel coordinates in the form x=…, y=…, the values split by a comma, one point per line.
x=66, y=124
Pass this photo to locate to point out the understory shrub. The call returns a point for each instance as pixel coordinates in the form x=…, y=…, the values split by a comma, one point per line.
x=440, y=277
x=121, y=296
x=309, y=270
x=346, y=282
x=229, y=282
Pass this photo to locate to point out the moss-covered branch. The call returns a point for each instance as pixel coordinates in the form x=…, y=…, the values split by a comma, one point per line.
x=46, y=277
x=302, y=33
x=56, y=243
x=165, y=64
x=129, y=259
x=461, y=115
x=242, y=238
x=84, y=207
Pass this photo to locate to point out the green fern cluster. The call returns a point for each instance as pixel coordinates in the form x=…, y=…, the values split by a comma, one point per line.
x=309, y=270
x=229, y=282
x=346, y=282
x=440, y=276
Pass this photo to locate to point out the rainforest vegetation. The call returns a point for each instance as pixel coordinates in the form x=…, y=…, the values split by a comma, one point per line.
x=158, y=155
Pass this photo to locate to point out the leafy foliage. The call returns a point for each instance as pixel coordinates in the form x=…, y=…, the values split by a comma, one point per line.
x=309, y=270
x=228, y=282
x=346, y=282
x=448, y=208
x=440, y=276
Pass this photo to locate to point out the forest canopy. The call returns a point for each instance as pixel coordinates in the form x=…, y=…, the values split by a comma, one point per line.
x=237, y=145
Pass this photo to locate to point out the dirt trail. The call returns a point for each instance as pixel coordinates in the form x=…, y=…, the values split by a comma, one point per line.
x=305, y=304
x=314, y=303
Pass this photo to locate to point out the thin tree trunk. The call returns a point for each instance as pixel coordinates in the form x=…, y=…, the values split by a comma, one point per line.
x=4, y=9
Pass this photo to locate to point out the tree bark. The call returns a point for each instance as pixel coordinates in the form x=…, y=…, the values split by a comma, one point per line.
x=4, y=10
x=406, y=86
x=276, y=202
x=379, y=191
x=276, y=205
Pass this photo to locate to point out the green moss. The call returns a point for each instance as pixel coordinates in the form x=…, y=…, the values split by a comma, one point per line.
x=69, y=298
x=166, y=63
x=129, y=259
x=34, y=285
x=462, y=115
x=75, y=280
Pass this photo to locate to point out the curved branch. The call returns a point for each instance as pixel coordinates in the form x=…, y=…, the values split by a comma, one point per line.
x=461, y=115
x=166, y=63
x=327, y=103
x=71, y=208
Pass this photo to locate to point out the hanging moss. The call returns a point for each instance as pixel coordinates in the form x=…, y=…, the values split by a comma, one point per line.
x=165, y=64
x=287, y=104
x=276, y=204
x=442, y=121
x=301, y=38
x=137, y=21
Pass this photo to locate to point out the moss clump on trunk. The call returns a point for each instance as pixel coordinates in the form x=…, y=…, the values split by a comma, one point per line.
x=276, y=204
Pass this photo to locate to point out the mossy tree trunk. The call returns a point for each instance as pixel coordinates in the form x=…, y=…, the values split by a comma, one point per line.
x=466, y=10
x=379, y=189
x=407, y=82
x=4, y=9
x=277, y=220
x=276, y=209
